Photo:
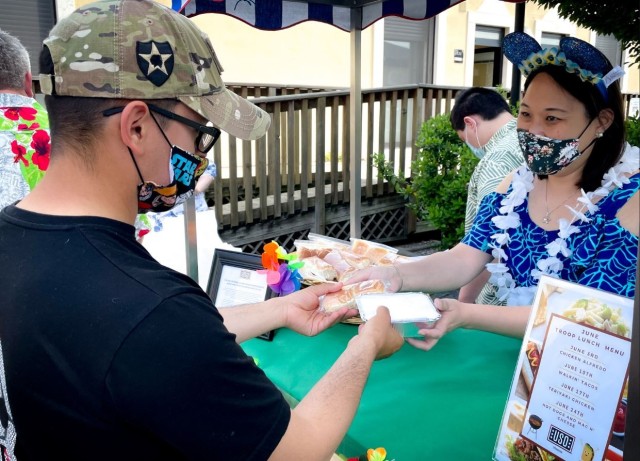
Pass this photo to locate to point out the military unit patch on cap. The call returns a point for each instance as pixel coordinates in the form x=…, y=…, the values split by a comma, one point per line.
x=140, y=49
x=155, y=60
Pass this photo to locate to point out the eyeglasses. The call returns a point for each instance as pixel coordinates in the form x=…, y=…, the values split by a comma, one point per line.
x=207, y=134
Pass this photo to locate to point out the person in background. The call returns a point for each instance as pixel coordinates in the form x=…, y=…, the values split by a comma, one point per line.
x=105, y=353
x=24, y=126
x=571, y=212
x=482, y=119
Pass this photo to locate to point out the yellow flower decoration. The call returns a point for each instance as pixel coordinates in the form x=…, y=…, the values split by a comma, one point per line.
x=549, y=55
x=379, y=454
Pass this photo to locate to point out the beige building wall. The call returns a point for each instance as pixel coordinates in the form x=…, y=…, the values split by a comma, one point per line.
x=307, y=54
x=315, y=54
x=455, y=29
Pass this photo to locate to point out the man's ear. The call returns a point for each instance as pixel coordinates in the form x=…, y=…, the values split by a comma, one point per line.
x=470, y=122
x=134, y=126
x=28, y=84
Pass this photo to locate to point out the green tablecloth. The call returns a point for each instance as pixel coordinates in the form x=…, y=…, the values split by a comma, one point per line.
x=445, y=404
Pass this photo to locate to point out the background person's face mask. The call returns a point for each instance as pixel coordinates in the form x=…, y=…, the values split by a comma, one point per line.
x=547, y=156
x=477, y=151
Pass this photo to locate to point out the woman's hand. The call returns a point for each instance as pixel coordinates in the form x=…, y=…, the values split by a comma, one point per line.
x=453, y=315
x=301, y=312
x=389, y=274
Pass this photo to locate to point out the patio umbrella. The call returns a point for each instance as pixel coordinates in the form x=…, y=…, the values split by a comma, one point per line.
x=350, y=15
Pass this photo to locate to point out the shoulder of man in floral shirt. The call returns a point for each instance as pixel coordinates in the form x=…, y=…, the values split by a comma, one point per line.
x=25, y=146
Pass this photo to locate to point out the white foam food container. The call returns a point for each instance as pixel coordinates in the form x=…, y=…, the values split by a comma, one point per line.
x=405, y=309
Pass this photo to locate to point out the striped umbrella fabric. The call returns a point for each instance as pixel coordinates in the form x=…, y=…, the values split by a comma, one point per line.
x=178, y=5
x=281, y=14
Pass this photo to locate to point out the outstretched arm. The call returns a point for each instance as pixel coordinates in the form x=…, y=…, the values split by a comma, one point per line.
x=297, y=311
x=203, y=183
x=442, y=271
x=470, y=292
x=320, y=421
x=508, y=321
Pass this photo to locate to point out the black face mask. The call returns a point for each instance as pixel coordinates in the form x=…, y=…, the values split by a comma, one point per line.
x=184, y=170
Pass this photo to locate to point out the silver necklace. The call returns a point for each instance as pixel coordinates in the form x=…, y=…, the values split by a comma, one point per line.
x=547, y=217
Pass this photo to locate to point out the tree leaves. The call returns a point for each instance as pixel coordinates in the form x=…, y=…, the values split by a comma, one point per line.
x=604, y=17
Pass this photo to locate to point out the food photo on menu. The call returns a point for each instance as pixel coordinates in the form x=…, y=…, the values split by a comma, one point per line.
x=569, y=392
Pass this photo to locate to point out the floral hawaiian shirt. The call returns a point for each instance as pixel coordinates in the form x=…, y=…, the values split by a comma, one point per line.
x=24, y=146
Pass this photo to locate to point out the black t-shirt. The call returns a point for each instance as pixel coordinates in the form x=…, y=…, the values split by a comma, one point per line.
x=108, y=355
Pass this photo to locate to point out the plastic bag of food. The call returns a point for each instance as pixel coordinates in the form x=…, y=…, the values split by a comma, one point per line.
x=306, y=249
x=317, y=270
x=346, y=297
x=329, y=241
x=372, y=250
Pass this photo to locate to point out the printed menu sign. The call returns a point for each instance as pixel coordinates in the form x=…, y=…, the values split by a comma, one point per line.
x=577, y=387
x=568, y=397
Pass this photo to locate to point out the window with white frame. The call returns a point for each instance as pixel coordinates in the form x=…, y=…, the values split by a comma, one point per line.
x=610, y=47
x=30, y=21
x=550, y=39
x=407, y=52
x=487, y=58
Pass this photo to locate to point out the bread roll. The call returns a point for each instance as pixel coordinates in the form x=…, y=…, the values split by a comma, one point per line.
x=316, y=269
x=346, y=297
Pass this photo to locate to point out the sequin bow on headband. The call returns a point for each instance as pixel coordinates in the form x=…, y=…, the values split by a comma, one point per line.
x=575, y=55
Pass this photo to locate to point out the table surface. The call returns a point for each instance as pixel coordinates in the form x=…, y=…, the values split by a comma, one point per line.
x=443, y=404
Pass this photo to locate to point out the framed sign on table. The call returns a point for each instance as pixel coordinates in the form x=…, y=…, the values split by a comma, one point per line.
x=569, y=394
x=234, y=280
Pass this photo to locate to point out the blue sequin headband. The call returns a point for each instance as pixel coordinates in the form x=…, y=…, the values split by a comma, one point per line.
x=575, y=55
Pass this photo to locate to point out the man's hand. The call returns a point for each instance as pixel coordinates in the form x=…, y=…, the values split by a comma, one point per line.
x=380, y=330
x=453, y=312
x=319, y=422
x=301, y=310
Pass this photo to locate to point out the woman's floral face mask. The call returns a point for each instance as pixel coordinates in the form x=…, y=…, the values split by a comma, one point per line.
x=547, y=156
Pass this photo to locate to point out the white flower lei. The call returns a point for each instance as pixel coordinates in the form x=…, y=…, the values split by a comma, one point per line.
x=552, y=265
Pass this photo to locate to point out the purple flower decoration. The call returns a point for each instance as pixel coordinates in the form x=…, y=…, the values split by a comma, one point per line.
x=289, y=280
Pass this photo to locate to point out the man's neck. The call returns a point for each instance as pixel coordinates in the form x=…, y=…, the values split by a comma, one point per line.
x=495, y=125
x=70, y=189
x=14, y=91
x=502, y=119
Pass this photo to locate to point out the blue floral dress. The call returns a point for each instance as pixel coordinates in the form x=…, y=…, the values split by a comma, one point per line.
x=604, y=253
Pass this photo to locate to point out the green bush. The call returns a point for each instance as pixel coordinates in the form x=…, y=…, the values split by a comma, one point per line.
x=437, y=189
x=632, y=125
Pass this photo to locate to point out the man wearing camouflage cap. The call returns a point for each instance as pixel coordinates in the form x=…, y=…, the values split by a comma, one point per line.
x=104, y=353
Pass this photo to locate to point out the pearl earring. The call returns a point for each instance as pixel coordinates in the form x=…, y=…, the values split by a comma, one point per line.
x=599, y=135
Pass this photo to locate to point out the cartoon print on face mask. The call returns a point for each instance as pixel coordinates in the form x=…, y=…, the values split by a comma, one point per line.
x=165, y=200
x=184, y=171
x=145, y=190
x=187, y=169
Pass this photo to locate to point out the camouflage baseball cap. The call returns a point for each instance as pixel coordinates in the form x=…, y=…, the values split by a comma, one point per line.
x=139, y=49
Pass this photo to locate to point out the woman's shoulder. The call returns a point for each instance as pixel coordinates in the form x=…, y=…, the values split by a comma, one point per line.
x=629, y=214
x=503, y=187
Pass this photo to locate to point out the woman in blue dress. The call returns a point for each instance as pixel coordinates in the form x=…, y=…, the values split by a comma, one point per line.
x=570, y=212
